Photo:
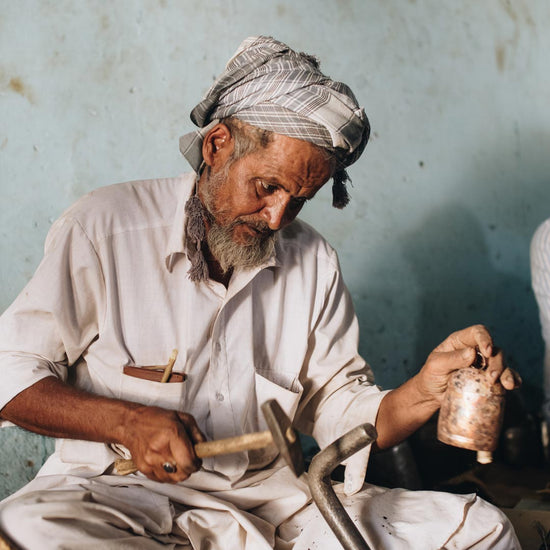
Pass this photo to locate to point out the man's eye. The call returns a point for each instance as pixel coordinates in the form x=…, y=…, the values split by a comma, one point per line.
x=266, y=187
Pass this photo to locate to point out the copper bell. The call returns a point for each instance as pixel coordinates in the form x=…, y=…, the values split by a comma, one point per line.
x=472, y=409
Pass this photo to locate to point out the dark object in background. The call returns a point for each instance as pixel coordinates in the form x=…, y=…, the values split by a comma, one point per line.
x=520, y=442
x=394, y=467
x=436, y=461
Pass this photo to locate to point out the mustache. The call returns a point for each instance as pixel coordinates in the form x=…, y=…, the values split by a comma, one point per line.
x=260, y=226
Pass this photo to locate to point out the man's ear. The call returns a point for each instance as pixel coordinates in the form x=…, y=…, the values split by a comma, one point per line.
x=217, y=146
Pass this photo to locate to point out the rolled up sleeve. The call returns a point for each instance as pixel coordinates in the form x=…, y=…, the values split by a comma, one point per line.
x=339, y=388
x=57, y=314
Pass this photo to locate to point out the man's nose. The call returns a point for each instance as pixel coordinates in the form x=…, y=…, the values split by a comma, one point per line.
x=275, y=212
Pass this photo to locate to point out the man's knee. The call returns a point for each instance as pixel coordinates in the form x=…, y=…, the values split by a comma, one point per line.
x=19, y=519
x=69, y=519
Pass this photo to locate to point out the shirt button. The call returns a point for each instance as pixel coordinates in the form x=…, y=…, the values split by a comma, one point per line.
x=218, y=347
x=219, y=396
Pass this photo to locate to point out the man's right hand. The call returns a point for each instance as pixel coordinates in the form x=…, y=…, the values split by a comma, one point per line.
x=156, y=436
x=153, y=435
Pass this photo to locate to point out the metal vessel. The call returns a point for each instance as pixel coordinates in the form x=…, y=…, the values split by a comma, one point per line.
x=472, y=410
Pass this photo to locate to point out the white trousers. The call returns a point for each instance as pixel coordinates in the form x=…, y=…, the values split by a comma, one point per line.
x=112, y=512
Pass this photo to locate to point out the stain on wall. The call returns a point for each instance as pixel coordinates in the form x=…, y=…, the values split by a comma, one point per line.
x=17, y=86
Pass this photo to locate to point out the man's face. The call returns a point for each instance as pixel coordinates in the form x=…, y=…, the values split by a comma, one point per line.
x=252, y=198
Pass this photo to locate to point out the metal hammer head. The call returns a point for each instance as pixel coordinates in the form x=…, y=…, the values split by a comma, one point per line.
x=284, y=436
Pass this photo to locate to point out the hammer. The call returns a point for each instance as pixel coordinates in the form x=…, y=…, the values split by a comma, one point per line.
x=280, y=433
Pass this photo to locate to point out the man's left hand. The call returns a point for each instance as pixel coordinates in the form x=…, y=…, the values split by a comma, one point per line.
x=458, y=351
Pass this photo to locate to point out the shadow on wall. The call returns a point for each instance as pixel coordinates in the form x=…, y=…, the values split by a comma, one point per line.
x=459, y=286
x=468, y=262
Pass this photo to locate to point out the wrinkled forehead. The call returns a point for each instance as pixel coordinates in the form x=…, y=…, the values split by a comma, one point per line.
x=293, y=160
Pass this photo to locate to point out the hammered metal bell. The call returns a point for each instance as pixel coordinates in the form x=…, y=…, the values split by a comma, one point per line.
x=472, y=410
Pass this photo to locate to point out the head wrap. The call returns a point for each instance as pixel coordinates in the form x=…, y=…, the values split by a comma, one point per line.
x=270, y=86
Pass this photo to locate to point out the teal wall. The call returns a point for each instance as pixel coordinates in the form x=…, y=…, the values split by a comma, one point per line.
x=445, y=200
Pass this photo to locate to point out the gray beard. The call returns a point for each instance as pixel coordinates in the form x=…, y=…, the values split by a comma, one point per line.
x=219, y=238
x=230, y=254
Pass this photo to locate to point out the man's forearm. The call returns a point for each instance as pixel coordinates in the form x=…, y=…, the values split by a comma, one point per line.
x=402, y=412
x=153, y=435
x=53, y=408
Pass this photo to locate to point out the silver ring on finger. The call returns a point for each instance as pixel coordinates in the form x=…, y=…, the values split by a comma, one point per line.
x=169, y=467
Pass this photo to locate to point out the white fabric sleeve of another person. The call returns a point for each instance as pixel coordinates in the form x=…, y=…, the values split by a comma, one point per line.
x=540, y=277
x=339, y=390
x=56, y=315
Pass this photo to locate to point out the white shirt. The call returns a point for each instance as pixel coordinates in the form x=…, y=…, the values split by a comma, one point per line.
x=540, y=277
x=112, y=291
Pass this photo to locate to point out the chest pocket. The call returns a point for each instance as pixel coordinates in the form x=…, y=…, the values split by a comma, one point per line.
x=148, y=392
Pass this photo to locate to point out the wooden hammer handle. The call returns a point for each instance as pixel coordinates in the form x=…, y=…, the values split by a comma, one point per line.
x=245, y=442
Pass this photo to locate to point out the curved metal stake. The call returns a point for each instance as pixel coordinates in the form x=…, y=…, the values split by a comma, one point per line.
x=322, y=465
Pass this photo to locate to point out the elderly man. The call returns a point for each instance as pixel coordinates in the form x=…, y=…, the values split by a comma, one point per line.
x=215, y=265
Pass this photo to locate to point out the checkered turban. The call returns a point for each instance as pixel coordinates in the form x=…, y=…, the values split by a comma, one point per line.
x=270, y=86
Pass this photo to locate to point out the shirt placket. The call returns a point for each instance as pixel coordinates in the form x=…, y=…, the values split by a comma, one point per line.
x=228, y=397
x=225, y=413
